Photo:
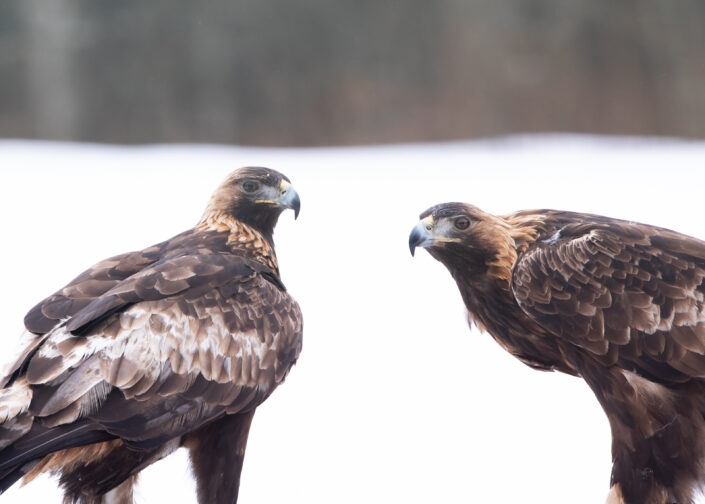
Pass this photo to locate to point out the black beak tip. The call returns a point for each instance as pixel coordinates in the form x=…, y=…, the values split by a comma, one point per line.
x=414, y=239
x=296, y=205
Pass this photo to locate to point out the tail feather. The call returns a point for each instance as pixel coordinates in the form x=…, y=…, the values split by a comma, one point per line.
x=13, y=474
x=17, y=459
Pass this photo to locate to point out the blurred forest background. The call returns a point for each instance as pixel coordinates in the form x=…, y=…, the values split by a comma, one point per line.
x=321, y=72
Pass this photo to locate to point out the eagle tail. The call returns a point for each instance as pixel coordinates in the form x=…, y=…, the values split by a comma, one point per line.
x=19, y=458
x=15, y=473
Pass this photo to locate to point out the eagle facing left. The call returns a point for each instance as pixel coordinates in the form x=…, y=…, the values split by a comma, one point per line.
x=145, y=352
x=618, y=303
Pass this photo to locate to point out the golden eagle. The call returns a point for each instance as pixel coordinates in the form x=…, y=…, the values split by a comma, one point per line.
x=174, y=345
x=618, y=303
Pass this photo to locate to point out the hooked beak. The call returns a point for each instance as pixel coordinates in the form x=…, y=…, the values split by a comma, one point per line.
x=289, y=198
x=421, y=234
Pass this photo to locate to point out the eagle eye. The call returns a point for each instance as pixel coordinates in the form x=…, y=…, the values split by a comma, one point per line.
x=250, y=186
x=462, y=223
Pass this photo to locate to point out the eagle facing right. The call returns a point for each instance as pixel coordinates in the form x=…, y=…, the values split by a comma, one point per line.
x=174, y=345
x=618, y=303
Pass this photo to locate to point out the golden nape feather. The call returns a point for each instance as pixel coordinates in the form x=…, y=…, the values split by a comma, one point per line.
x=174, y=345
x=618, y=303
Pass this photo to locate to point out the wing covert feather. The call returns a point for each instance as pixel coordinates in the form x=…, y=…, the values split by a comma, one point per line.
x=635, y=298
x=90, y=284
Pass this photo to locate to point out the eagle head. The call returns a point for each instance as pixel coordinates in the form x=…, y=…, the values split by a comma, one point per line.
x=463, y=237
x=255, y=196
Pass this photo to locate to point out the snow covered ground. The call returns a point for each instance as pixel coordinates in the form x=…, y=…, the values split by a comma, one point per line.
x=393, y=399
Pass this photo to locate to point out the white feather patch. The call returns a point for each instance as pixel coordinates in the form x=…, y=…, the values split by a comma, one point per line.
x=15, y=400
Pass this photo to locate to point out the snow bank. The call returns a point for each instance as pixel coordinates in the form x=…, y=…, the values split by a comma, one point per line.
x=394, y=399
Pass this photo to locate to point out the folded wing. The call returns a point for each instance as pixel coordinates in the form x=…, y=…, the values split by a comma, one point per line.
x=155, y=355
x=630, y=294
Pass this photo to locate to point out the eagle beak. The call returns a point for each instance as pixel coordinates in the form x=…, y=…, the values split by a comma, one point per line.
x=289, y=198
x=421, y=235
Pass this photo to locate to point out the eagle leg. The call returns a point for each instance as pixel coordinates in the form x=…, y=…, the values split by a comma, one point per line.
x=121, y=494
x=217, y=452
x=649, y=421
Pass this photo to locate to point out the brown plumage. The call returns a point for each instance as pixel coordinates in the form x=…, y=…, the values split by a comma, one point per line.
x=174, y=345
x=618, y=303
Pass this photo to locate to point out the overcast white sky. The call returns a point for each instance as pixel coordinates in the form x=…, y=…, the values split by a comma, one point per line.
x=394, y=399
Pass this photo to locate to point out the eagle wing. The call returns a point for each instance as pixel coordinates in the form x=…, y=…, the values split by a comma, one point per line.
x=76, y=295
x=161, y=352
x=87, y=286
x=629, y=294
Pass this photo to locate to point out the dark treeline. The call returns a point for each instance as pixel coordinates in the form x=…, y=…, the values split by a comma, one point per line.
x=315, y=72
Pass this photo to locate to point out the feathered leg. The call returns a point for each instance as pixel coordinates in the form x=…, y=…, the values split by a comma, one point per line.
x=615, y=495
x=651, y=463
x=121, y=494
x=217, y=452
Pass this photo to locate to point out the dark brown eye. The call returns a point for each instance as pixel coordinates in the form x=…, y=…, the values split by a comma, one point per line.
x=250, y=186
x=462, y=223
